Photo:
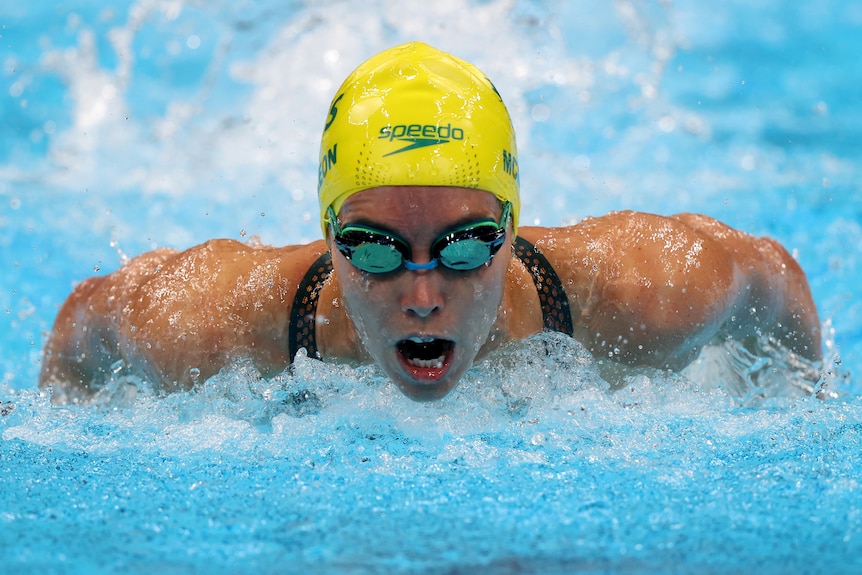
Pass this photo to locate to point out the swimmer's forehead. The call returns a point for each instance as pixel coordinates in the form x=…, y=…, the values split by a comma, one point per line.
x=408, y=207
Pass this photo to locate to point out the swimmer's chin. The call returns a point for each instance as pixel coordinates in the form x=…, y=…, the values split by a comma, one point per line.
x=425, y=391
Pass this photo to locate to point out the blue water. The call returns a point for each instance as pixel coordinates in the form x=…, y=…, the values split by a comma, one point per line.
x=133, y=125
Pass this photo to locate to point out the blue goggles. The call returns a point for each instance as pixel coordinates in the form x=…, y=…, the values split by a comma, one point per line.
x=380, y=252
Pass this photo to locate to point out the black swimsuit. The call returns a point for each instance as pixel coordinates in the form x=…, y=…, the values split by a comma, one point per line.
x=303, y=312
x=556, y=315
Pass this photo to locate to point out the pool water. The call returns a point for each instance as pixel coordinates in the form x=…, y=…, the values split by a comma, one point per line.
x=134, y=125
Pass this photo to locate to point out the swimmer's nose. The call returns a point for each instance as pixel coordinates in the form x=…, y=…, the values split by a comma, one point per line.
x=423, y=296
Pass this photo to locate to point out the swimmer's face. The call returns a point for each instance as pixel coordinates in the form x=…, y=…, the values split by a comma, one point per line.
x=424, y=327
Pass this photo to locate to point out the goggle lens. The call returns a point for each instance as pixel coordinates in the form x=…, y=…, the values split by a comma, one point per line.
x=376, y=258
x=468, y=252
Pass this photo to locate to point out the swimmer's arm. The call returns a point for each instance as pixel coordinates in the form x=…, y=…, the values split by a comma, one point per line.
x=773, y=297
x=68, y=362
x=653, y=290
x=177, y=318
x=84, y=344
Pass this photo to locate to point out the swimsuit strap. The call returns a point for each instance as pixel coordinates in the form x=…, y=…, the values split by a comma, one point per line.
x=303, y=312
x=556, y=315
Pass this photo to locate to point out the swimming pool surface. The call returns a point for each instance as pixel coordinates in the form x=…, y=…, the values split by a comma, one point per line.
x=134, y=125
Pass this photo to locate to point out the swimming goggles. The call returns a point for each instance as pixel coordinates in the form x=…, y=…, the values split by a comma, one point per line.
x=379, y=252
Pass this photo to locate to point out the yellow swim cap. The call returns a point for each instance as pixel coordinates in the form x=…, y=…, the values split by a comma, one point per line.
x=413, y=115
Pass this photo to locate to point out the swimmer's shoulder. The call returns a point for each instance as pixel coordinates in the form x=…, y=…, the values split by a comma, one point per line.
x=222, y=248
x=218, y=264
x=224, y=255
x=615, y=230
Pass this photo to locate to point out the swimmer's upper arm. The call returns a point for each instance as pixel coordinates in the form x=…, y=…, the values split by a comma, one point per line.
x=211, y=302
x=84, y=343
x=660, y=292
x=167, y=312
x=776, y=297
x=651, y=289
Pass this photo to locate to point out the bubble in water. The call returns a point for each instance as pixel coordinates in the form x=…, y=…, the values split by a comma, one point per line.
x=16, y=89
x=118, y=366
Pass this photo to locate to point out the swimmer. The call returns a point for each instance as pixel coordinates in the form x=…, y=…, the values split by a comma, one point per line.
x=424, y=267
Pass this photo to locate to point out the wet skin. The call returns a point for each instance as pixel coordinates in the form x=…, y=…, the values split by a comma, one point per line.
x=451, y=312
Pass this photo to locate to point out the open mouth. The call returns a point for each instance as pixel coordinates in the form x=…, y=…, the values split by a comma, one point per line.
x=426, y=357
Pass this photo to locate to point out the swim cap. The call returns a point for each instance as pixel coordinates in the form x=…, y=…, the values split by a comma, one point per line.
x=413, y=115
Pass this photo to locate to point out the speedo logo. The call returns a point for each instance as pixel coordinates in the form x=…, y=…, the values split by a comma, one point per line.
x=419, y=135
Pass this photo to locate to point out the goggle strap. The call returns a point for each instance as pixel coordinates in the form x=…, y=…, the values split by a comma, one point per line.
x=504, y=217
x=333, y=221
